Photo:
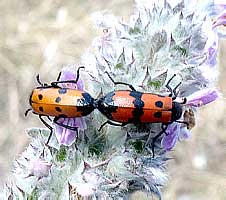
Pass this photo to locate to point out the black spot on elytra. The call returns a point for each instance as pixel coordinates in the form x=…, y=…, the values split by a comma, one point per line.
x=58, y=99
x=159, y=104
x=58, y=109
x=138, y=104
x=62, y=91
x=40, y=97
x=157, y=114
x=41, y=109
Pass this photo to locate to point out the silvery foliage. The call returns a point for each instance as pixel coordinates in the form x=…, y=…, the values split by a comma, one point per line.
x=160, y=40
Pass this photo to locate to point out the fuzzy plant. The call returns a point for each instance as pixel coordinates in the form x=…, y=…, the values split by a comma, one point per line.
x=162, y=40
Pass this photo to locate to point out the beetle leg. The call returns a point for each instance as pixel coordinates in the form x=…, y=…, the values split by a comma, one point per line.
x=55, y=83
x=77, y=76
x=47, y=86
x=27, y=111
x=183, y=122
x=164, y=127
x=63, y=125
x=48, y=126
x=48, y=117
x=59, y=75
x=68, y=127
x=120, y=83
x=111, y=123
x=184, y=100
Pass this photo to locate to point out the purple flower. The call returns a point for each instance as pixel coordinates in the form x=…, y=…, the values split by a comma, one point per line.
x=184, y=134
x=202, y=97
x=69, y=74
x=212, y=42
x=212, y=52
x=211, y=46
x=221, y=20
x=174, y=132
x=170, y=138
x=66, y=136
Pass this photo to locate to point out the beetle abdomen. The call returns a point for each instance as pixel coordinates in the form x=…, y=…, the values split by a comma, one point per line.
x=61, y=101
x=135, y=107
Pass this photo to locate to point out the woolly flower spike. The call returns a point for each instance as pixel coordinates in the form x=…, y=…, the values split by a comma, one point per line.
x=66, y=136
x=161, y=39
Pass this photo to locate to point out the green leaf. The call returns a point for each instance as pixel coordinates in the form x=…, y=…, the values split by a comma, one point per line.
x=181, y=50
x=156, y=84
x=61, y=154
x=119, y=66
x=138, y=146
x=96, y=149
x=34, y=195
x=121, y=60
x=134, y=30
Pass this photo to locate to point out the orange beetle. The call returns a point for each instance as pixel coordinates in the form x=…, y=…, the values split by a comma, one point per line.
x=61, y=102
x=53, y=100
x=122, y=107
x=126, y=106
x=137, y=107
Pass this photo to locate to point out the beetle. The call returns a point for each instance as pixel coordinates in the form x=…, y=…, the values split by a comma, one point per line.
x=61, y=102
x=53, y=100
x=136, y=107
x=122, y=107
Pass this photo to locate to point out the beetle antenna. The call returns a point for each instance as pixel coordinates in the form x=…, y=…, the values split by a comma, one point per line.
x=119, y=83
x=55, y=83
x=38, y=80
x=40, y=83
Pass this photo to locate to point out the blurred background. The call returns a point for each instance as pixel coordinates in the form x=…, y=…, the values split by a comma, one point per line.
x=40, y=37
